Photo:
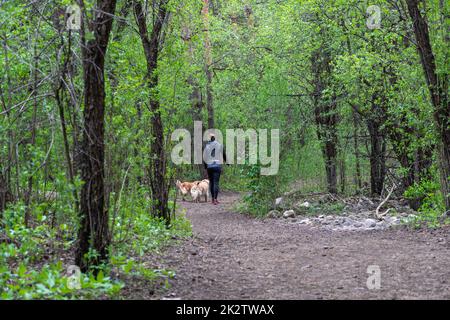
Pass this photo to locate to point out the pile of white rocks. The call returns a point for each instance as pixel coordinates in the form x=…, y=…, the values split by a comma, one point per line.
x=350, y=223
x=345, y=221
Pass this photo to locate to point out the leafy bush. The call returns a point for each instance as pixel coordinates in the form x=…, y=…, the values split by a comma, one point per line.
x=262, y=191
x=432, y=208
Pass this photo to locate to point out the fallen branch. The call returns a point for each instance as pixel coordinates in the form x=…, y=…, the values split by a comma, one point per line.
x=377, y=211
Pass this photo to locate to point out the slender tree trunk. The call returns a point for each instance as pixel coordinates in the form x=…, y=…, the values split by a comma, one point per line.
x=197, y=106
x=158, y=163
x=141, y=176
x=73, y=112
x=342, y=176
x=377, y=159
x=64, y=134
x=13, y=152
x=3, y=191
x=438, y=87
x=195, y=96
x=59, y=91
x=325, y=117
x=5, y=194
x=357, y=153
x=114, y=159
x=93, y=234
x=5, y=168
x=208, y=65
x=33, y=129
x=358, y=182
x=330, y=152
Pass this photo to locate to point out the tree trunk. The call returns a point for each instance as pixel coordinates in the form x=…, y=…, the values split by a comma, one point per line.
x=29, y=191
x=59, y=92
x=158, y=162
x=342, y=176
x=208, y=65
x=197, y=106
x=73, y=110
x=358, y=183
x=195, y=96
x=330, y=152
x=93, y=234
x=377, y=157
x=5, y=195
x=325, y=116
x=70, y=174
x=114, y=159
x=438, y=87
x=5, y=168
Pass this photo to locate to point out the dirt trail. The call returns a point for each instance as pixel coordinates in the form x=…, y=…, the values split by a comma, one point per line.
x=233, y=256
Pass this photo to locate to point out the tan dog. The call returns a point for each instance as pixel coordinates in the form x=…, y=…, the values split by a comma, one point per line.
x=196, y=192
x=203, y=187
x=185, y=187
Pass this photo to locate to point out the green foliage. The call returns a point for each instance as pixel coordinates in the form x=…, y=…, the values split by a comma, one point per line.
x=262, y=78
x=328, y=208
x=432, y=208
x=27, y=273
x=50, y=282
x=262, y=191
x=129, y=267
x=138, y=232
x=28, y=270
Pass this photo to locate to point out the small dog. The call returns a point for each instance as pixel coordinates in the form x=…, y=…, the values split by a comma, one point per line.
x=196, y=192
x=185, y=187
x=201, y=189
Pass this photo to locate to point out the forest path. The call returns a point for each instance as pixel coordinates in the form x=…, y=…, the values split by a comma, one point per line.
x=234, y=256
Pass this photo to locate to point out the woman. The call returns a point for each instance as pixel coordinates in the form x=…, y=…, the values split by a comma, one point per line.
x=214, y=157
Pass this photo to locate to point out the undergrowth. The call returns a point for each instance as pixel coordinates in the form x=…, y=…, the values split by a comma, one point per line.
x=37, y=262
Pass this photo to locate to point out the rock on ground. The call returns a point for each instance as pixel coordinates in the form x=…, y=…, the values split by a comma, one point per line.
x=289, y=214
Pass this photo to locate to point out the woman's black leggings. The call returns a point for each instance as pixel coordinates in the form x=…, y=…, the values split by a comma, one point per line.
x=214, y=176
